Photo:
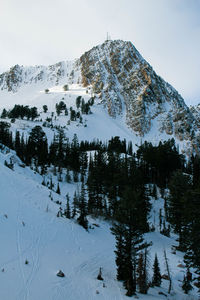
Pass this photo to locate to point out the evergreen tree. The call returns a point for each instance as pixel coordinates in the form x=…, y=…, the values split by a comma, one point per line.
x=78, y=102
x=58, y=189
x=179, y=186
x=45, y=108
x=156, y=280
x=37, y=146
x=186, y=286
x=72, y=115
x=66, y=111
x=4, y=114
x=120, y=251
x=17, y=143
x=66, y=87
x=75, y=202
x=60, y=149
x=53, y=151
x=22, y=148
x=75, y=176
x=67, y=212
x=68, y=177
x=99, y=276
x=83, y=106
x=196, y=171
x=129, y=239
x=51, y=184
x=154, y=192
x=142, y=280
x=82, y=219
x=192, y=225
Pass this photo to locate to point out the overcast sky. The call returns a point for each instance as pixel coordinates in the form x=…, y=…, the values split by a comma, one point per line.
x=166, y=33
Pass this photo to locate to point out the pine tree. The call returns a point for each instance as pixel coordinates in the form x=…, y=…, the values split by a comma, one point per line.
x=75, y=176
x=156, y=280
x=82, y=219
x=58, y=189
x=60, y=152
x=67, y=212
x=120, y=252
x=129, y=239
x=60, y=176
x=99, y=276
x=68, y=177
x=186, y=286
x=43, y=181
x=179, y=186
x=192, y=237
x=154, y=192
x=51, y=185
x=17, y=143
x=37, y=146
x=142, y=273
x=45, y=108
x=75, y=201
x=78, y=101
x=4, y=114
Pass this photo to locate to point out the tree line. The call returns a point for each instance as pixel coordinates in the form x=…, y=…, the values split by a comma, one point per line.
x=20, y=111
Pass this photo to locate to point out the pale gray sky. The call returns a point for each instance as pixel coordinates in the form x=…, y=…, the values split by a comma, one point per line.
x=166, y=32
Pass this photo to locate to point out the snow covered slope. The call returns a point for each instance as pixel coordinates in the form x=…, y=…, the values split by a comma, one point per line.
x=36, y=244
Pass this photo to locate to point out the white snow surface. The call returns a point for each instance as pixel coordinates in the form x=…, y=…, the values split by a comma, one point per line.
x=31, y=231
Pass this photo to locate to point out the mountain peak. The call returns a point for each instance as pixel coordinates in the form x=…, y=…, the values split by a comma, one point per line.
x=129, y=87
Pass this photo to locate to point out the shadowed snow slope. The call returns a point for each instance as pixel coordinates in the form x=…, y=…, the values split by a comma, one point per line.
x=31, y=232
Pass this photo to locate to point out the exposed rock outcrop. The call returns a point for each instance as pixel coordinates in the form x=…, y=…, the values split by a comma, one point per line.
x=122, y=78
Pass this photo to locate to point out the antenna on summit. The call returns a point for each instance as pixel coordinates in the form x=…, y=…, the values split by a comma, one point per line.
x=108, y=38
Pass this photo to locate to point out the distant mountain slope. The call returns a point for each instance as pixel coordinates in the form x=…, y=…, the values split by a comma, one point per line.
x=19, y=76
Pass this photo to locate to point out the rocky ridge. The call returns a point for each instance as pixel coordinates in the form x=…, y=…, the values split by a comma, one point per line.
x=19, y=76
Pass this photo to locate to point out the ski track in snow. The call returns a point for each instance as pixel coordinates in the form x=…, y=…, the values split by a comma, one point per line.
x=29, y=271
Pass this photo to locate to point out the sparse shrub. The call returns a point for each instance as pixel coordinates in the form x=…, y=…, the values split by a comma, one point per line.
x=45, y=108
x=66, y=87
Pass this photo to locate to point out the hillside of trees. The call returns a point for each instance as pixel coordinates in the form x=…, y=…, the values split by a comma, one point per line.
x=115, y=185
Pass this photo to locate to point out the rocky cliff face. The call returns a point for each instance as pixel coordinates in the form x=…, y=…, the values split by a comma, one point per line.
x=124, y=83
x=19, y=76
x=123, y=79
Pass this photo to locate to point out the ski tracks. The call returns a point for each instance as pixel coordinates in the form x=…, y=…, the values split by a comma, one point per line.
x=31, y=253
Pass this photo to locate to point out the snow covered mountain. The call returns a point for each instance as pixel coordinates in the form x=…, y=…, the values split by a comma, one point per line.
x=134, y=96
x=130, y=101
